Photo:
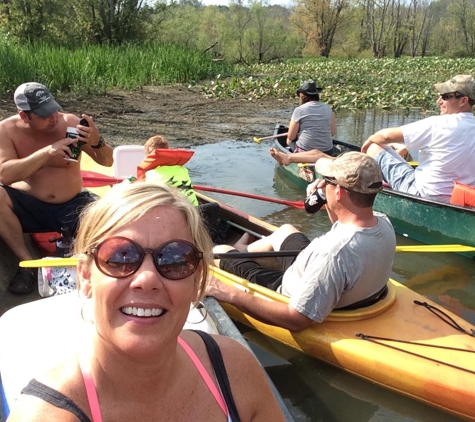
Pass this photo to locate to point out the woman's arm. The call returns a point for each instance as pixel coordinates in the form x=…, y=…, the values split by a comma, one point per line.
x=293, y=131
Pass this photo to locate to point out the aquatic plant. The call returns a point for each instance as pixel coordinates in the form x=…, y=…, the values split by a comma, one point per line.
x=348, y=84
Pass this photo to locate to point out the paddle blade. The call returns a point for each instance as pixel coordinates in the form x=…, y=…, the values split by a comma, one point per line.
x=92, y=179
x=49, y=262
x=258, y=140
x=435, y=248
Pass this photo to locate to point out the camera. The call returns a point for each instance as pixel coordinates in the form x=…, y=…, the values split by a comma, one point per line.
x=72, y=133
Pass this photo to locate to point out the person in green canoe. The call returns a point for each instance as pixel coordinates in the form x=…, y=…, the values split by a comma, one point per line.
x=446, y=145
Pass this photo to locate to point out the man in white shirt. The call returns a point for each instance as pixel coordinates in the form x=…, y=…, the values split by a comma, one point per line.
x=446, y=145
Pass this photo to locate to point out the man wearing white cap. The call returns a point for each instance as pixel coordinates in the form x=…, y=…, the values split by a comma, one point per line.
x=446, y=145
x=42, y=187
x=346, y=268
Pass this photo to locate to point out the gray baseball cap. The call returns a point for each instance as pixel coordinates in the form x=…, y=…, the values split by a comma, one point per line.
x=465, y=84
x=353, y=170
x=35, y=97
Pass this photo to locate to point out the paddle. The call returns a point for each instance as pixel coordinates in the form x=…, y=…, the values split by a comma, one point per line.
x=65, y=262
x=93, y=179
x=296, y=204
x=258, y=140
x=410, y=248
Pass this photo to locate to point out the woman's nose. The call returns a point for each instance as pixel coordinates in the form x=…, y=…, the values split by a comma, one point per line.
x=147, y=276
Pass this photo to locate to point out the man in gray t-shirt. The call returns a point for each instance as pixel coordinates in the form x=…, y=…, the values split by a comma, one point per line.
x=347, y=267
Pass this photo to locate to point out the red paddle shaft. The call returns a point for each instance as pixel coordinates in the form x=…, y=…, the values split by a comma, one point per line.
x=296, y=204
x=93, y=179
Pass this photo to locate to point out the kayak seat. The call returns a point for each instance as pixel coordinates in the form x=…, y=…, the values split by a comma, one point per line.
x=463, y=195
x=380, y=295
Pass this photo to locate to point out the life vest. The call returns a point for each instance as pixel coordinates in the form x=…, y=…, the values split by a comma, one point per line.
x=163, y=157
x=463, y=195
x=175, y=176
x=165, y=166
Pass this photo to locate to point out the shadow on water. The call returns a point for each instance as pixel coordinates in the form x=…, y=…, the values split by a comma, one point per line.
x=313, y=390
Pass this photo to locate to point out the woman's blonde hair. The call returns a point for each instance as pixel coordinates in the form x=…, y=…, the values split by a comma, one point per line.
x=155, y=142
x=127, y=203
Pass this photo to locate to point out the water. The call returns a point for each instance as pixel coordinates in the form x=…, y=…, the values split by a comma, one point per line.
x=315, y=391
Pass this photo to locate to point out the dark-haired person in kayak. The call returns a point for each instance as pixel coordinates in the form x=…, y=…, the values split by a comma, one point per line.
x=42, y=187
x=446, y=145
x=312, y=124
x=348, y=267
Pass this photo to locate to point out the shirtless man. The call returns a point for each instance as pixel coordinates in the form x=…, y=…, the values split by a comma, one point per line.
x=42, y=189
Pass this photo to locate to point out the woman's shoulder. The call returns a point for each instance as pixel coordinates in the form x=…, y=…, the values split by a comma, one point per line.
x=238, y=360
x=59, y=381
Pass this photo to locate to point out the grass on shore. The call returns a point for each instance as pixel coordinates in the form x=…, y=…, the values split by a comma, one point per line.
x=94, y=69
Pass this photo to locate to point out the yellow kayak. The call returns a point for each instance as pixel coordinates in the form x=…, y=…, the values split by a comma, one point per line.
x=399, y=343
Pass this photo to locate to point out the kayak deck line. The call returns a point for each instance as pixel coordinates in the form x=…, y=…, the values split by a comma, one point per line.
x=446, y=318
x=380, y=340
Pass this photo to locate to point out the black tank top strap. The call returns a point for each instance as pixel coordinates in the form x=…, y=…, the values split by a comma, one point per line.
x=57, y=399
x=221, y=374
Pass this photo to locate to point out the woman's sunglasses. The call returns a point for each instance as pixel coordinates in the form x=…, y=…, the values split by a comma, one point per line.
x=120, y=257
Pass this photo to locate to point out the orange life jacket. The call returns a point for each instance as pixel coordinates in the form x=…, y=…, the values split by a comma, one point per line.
x=463, y=195
x=163, y=157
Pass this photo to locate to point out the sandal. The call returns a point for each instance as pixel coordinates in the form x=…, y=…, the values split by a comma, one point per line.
x=23, y=282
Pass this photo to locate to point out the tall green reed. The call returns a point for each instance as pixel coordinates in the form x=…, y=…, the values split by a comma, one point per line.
x=96, y=69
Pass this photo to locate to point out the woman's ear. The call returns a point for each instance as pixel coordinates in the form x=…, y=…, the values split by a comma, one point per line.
x=198, y=276
x=84, y=278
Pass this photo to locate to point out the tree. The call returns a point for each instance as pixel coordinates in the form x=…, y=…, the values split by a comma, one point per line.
x=319, y=20
x=377, y=23
x=110, y=21
x=28, y=20
x=240, y=19
x=462, y=11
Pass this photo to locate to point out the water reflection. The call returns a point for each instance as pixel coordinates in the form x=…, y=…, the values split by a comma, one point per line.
x=316, y=391
x=357, y=127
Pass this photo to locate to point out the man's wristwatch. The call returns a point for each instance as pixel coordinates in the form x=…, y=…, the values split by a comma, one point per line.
x=100, y=144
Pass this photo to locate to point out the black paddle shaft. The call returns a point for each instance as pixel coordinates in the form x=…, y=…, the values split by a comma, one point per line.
x=270, y=254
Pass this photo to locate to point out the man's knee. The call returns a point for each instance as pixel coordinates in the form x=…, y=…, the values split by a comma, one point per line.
x=374, y=150
x=222, y=248
x=287, y=229
x=5, y=201
x=281, y=234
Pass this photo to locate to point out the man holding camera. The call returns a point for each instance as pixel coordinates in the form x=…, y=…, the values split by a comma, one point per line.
x=346, y=268
x=42, y=187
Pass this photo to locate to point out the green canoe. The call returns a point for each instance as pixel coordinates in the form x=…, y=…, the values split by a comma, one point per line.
x=421, y=219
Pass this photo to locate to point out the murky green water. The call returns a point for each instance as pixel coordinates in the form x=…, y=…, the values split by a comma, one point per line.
x=316, y=391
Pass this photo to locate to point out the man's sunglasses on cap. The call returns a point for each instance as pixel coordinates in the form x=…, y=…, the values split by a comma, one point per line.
x=120, y=257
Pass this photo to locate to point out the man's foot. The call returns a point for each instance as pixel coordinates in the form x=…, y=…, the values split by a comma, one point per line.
x=23, y=282
x=280, y=157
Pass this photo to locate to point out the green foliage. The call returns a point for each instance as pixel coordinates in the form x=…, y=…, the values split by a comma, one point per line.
x=251, y=31
x=97, y=69
x=73, y=22
x=348, y=84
